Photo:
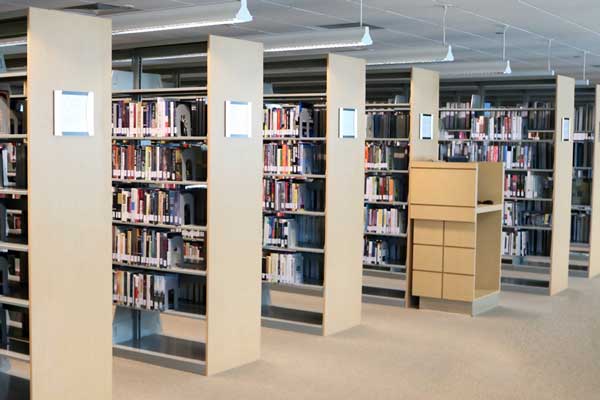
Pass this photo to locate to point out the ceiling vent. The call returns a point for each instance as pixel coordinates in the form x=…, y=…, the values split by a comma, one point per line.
x=100, y=9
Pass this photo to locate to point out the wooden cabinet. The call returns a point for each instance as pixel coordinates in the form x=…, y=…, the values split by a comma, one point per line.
x=448, y=270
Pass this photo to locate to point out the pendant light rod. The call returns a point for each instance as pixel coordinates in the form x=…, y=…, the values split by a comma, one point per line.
x=584, y=63
x=361, y=13
x=444, y=24
x=504, y=42
x=549, y=54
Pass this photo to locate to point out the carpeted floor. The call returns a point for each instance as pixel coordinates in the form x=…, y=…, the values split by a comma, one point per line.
x=531, y=347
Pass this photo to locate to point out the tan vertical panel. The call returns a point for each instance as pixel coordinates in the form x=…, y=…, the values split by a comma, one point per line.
x=424, y=98
x=69, y=211
x=563, y=174
x=594, y=264
x=344, y=197
x=488, y=177
x=235, y=72
x=488, y=251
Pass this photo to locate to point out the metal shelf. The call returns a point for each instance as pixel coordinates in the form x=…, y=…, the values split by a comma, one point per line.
x=181, y=271
x=297, y=212
x=196, y=184
x=162, y=139
x=392, y=235
x=293, y=176
x=295, y=249
x=294, y=139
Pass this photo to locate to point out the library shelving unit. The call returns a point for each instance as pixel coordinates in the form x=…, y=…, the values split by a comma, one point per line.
x=54, y=301
x=584, y=163
x=519, y=122
x=393, y=141
x=205, y=315
x=456, y=215
x=312, y=247
x=594, y=239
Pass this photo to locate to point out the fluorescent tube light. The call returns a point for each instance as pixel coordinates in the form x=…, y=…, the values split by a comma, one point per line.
x=218, y=16
x=417, y=56
x=334, y=39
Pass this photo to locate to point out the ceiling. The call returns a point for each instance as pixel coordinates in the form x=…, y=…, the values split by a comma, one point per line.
x=473, y=26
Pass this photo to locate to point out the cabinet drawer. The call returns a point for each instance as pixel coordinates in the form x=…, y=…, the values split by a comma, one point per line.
x=428, y=232
x=427, y=284
x=459, y=234
x=427, y=258
x=459, y=260
x=459, y=287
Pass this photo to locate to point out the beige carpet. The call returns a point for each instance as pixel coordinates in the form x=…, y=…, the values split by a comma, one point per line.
x=531, y=347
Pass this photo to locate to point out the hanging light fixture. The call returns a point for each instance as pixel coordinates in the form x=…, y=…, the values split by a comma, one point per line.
x=421, y=55
x=468, y=69
x=548, y=72
x=322, y=39
x=330, y=39
x=217, y=14
x=416, y=56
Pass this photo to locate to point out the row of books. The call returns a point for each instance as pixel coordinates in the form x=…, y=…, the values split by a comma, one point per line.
x=583, y=154
x=292, y=268
x=14, y=274
x=159, y=162
x=582, y=189
x=159, y=117
x=507, y=125
x=294, y=158
x=529, y=185
x=386, y=156
x=144, y=291
x=13, y=116
x=13, y=165
x=385, y=220
x=464, y=117
x=386, y=188
x=191, y=294
x=584, y=118
x=141, y=246
x=523, y=155
x=158, y=206
x=580, y=227
x=285, y=195
x=193, y=253
x=296, y=121
x=388, y=124
x=526, y=243
x=457, y=119
x=384, y=251
x=527, y=213
x=293, y=231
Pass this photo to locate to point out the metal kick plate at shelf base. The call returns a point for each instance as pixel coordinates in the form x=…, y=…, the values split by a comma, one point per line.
x=292, y=319
x=165, y=351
